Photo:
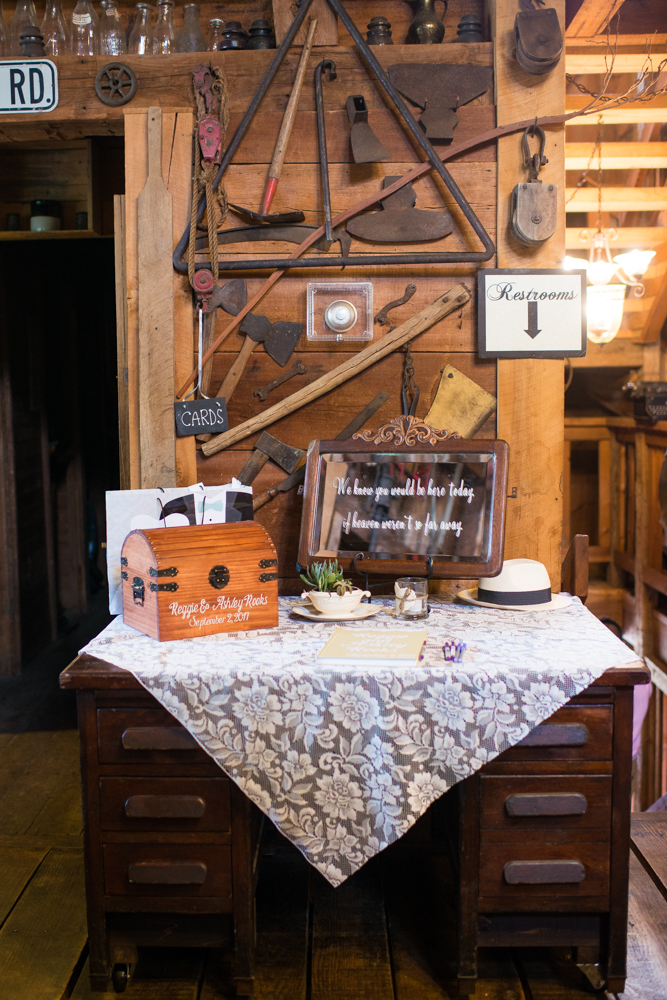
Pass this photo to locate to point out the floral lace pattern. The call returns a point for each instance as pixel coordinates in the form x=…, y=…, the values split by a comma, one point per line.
x=345, y=760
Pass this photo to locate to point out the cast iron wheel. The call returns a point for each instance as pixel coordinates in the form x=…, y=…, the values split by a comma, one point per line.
x=120, y=977
x=115, y=84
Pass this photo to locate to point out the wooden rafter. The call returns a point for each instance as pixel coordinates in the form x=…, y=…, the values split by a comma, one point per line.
x=631, y=113
x=599, y=62
x=592, y=18
x=617, y=155
x=630, y=237
x=617, y=199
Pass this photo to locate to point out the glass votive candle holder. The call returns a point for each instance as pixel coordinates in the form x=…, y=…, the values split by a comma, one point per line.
x=411, y=598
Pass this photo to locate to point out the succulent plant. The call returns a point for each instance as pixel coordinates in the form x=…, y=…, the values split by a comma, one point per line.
x=327, y=577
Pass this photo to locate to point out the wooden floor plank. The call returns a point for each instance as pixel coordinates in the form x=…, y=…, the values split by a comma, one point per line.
x=17, y=864
x=160, y=974
x=41, y=778
x=552, y=974
x=18, y=754
x=44, y=935
x=647, y=933
x=649, y=842
x=350, y=950
x=61, y=814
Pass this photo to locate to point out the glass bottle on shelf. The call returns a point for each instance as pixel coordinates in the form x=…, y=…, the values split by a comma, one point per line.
x=191, y=38
x=112, y=33
x=84, y=30
x=165, y=36
x=141, y=39
x=25, y=15
x=215, y=41
x=4, y=34
x=54, y=29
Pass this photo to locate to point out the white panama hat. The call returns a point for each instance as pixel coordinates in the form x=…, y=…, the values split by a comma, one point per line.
x=521, y=585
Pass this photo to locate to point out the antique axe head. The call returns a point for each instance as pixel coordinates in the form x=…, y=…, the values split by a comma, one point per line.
x=440, y=90
x=267, y=447
x=232, y=296
x=279, y=338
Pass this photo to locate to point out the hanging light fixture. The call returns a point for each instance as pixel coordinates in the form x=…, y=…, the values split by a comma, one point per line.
x=604, y=300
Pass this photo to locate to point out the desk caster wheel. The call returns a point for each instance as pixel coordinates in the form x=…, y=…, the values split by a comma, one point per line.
x=120, y=977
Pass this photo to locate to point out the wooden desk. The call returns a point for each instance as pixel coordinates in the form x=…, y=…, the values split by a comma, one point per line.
x=170, y=842
x=544, y=837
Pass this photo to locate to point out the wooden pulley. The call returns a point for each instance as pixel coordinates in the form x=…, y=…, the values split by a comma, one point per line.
x=539, y=40
x=534, y=204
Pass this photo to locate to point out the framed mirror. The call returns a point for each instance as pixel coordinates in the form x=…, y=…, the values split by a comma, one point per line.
x=405, y=494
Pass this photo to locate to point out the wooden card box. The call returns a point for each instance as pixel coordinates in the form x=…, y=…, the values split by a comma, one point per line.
x=184, y=582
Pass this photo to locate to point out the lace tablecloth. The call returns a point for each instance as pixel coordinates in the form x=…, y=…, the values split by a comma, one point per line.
x=345, y=760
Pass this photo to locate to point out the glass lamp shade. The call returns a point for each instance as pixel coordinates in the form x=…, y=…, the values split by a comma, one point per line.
x=575, y=264
x=604, y=312
x=600, y=272
x=636, y=262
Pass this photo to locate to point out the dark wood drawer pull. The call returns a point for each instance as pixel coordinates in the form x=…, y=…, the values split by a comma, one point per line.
x=556, y=734
x=167, y=872
x=158, y=738
x=165, y=807
x=543, y=872
x=543, y=804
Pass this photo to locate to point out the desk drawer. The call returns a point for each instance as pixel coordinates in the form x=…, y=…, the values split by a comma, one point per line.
x=574, y=732
x=145, y=736
x=516, y=871
x=164, y=804
x=167, y=870
x=546, y=802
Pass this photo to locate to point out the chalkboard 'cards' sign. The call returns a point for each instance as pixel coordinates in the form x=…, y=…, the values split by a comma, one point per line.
x=200, y=416
x=403, y=494
x=30, y=85
x=525, y=313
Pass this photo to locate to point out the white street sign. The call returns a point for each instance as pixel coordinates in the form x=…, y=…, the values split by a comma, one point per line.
x=531, y=313
x=28, y=85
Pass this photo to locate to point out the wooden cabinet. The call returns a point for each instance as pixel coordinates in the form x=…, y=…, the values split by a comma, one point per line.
x=171, y=844
x=543, y=833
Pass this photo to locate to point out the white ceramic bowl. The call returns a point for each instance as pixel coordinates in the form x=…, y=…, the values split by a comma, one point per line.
x=335, y=603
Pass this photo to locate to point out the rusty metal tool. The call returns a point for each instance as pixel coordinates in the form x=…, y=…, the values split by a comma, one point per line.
x=298, y=368
x=274, y=219
x=290, y=234
x=440, y=90
x=366, y=147
x=321, y=68
x=289, y=117
x=382, y=318
x=297, y=476
x=232, y=296
x=399, y=221
x=267, y=447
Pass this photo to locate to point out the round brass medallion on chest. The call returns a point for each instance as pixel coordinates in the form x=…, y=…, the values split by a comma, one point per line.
x=219, y=577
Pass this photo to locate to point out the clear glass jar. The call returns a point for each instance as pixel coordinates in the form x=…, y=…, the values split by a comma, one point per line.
x=141, y=39
x=4, y=34
x=215, y=42
x=54, y=29
x=112, y=33
x=24, y=16
x=191, y=38
x=84, y=30
x=165, y=36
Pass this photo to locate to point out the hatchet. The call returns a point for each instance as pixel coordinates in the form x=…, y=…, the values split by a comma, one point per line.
x=267, y=447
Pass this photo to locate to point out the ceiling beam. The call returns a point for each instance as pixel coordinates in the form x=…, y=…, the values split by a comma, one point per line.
x=601, y=62
x=616, y=199
x=634, y=112
x=617, y=155
x=629, y=238
x=592, y=18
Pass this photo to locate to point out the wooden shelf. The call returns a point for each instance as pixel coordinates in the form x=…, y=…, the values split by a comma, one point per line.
x=57, y=234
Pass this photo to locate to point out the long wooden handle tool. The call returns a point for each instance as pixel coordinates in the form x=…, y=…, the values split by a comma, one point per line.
x=443, y=306
x=298, y=475
x=288, y=123
x=156, y=318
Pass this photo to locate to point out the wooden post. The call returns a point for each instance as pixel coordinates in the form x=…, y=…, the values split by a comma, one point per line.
x=177, y=128
x=616, y=507
x=530, y=393
x=10, y=625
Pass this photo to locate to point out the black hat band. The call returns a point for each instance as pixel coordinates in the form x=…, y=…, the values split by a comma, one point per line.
x=514, y=597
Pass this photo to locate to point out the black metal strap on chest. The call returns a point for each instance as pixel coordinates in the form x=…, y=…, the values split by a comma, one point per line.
x=169, y=571
x=170, y=587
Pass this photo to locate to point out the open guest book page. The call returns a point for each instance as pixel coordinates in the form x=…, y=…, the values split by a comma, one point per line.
x=373, y=648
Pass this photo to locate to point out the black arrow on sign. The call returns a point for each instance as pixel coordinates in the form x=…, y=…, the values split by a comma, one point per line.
x=532, y=330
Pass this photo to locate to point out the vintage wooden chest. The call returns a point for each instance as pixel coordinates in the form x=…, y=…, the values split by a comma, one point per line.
x=199, y=580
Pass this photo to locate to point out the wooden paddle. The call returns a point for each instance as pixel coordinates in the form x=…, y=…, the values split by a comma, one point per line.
x=156, y=319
